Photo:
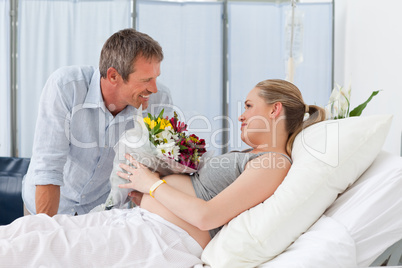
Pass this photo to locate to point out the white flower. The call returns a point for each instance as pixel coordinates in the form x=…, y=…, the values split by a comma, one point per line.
x=338, y=103
x=170, y=150
x=166, y=136
x=345, y=101
x=335, y=94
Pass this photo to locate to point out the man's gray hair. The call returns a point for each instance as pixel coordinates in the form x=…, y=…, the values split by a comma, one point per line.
x=123, y=48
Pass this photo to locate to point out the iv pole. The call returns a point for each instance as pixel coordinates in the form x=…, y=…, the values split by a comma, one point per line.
x=291, y=66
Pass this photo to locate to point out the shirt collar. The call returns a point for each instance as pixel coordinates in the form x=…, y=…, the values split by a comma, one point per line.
x=94, y=98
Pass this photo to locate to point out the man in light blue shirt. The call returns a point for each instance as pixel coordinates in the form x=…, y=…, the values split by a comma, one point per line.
x=82, y=113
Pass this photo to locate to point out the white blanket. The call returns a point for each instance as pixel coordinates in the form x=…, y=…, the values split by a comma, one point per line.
x=115, y=238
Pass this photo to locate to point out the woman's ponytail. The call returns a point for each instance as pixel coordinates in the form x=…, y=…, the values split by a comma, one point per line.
x=316, y=114
x=275, y=90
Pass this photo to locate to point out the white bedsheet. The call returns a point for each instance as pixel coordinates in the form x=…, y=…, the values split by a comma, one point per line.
x=115, y=238
x=371, y=209
x=326, y=244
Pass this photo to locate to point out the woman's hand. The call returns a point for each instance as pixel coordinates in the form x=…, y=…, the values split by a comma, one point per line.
x=140, y=177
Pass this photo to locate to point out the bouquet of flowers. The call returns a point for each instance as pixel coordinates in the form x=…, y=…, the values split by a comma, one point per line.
x=159, y=143
x=170, y=141
x=339, y=104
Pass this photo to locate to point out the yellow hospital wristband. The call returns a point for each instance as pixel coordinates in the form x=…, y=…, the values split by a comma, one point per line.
x=154, y=186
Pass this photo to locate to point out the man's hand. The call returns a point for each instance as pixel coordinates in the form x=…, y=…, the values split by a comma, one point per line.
x=47, y=198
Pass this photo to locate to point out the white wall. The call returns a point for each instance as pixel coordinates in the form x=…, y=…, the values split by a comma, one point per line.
x=368, y=43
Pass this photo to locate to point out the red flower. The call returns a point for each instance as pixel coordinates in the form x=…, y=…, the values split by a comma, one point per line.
x=178, y=127
x=191, y=148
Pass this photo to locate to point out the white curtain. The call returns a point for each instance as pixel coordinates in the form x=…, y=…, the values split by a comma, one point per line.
x=5, y=78
x=54, y=34
x=191, y=37
x=368, y=56
x=258, y=51
x=66, y=32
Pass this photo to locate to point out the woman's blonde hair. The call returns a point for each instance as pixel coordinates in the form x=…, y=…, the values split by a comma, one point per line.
x=276, y=90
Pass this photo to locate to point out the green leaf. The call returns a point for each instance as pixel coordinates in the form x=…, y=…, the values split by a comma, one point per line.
x=359, y=109
x=182, y=147
x=158, y=131
x=161, y=114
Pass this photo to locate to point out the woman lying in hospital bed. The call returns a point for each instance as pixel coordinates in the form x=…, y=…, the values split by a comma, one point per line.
x=181, y=216
x=263, y=211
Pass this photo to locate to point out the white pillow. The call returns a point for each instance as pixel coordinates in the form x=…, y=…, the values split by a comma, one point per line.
x=327, y=158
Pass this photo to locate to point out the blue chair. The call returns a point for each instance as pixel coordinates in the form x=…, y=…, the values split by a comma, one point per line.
x=12, y=170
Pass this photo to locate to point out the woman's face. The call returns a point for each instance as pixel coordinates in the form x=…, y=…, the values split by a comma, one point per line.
x=256, y=120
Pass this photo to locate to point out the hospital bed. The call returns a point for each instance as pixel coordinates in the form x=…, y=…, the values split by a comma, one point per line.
x=361, y=227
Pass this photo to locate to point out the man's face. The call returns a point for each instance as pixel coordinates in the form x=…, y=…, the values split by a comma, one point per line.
x=141, y=83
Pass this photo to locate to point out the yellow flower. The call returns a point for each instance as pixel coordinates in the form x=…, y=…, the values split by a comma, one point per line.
x=194, y=139
x=164, y=123
x=153, y=124
x=147, y=121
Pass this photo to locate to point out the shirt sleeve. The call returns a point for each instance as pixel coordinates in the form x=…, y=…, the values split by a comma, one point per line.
x=51, y=142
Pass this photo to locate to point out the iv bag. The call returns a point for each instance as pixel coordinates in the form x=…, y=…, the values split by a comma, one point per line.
x=295, y=49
